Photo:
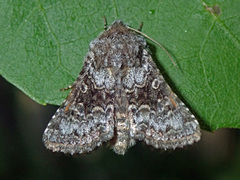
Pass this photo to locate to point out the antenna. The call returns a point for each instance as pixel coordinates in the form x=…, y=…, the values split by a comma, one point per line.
x=139, y=32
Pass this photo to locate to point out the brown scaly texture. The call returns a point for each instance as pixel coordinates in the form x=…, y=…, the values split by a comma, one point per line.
x=121, y=96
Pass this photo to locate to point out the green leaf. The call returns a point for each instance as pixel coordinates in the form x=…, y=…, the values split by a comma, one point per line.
x=43, y=44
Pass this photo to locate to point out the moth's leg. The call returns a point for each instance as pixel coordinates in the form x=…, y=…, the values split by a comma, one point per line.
x=140, y=26
x=67, y=88
x=105, y=23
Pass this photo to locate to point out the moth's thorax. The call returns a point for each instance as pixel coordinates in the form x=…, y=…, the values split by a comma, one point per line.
x=118, y=47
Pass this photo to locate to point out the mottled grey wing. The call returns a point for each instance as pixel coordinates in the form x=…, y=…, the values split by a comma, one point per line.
x=156, y=115
x=86, y=118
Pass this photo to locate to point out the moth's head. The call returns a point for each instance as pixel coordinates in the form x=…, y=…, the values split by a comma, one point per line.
x=117, y=24
x=117, y=27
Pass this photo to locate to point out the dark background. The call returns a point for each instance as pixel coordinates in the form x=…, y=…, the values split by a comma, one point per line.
x=23, y=156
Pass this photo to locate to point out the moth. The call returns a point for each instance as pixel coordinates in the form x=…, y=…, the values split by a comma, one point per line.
x=120, y=97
